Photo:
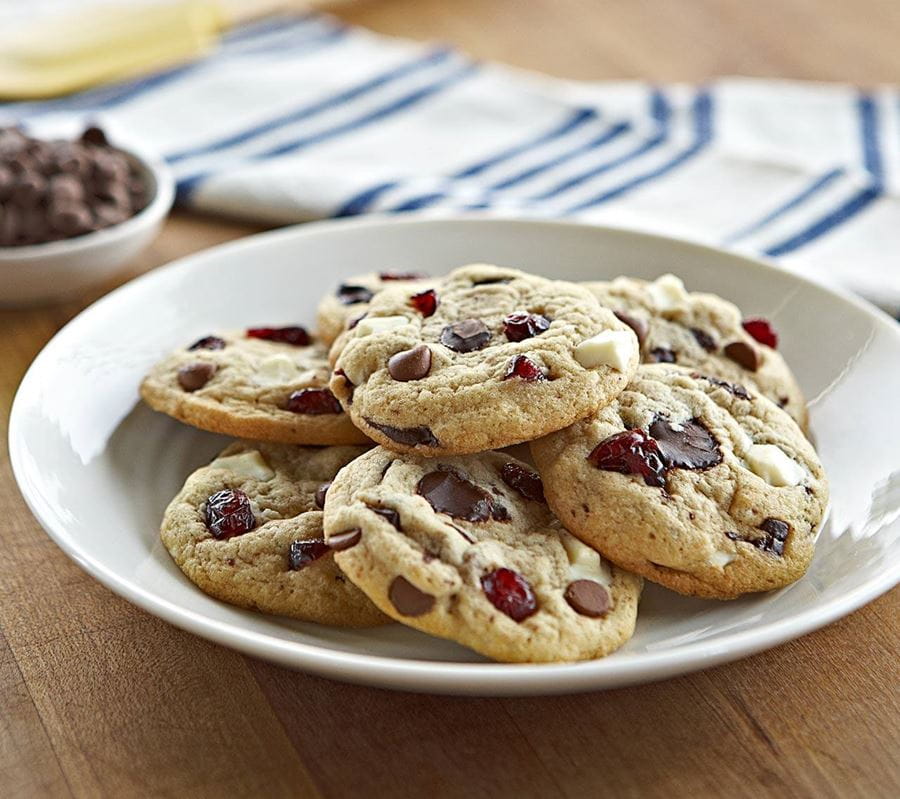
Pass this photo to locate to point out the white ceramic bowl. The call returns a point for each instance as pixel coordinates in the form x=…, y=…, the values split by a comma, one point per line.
x=98, y=468
x=58, y=270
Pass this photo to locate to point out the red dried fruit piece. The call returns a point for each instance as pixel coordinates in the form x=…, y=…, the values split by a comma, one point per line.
x=295, y=335
x=313, y=401
x=208, y=343
x=425, y=302
x=762, y=330
x=525, y=369
x=521, y=325
x=510, y=593
x=228, y=513
x=631, y=452
x=525, y=481
x=401, y=276
x=302, y=553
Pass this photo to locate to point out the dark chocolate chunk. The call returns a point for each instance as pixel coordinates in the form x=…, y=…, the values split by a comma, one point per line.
x=387, y=513
x=345, y=540
x=776, y=535
x=411, y=364
x=687, y=446
x=743, y=354
x=732, y=388
x=662, y=355
x=411, y=436
x=409, y=600
x=208, y=343
x=587, y=597
x=194, y=376
x=350, y=295
x=466, y=336
x=704, y=339
x=304, y=552
x=321, y=492
x=525, y=481
x=447, y=491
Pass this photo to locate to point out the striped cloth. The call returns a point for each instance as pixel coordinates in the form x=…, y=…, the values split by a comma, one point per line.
x=291, y=120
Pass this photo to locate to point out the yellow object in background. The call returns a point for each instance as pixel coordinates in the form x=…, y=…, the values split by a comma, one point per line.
x=105, y=43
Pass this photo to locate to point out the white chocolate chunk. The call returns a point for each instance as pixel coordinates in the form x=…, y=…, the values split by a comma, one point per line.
x=613, y=348
x=667, y=292
x=585, y=563
x=276, y=370
x=378, y=324
x=776, y=468
x=247, y=464
x=721, y=559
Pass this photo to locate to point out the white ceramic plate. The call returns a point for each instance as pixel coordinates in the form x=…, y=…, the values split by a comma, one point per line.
x=98, y=468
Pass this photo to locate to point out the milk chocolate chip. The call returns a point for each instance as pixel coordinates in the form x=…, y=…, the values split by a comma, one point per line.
x=409, y=600
x=411, y=364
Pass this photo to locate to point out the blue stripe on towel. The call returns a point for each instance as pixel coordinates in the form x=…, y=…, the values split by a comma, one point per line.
x=818, y=185
x=364, y=200
x=187, y=184
x=702, y=112
x=868, y=129
x=311, y=109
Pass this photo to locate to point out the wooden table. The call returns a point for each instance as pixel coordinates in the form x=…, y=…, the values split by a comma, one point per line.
x=97, y=698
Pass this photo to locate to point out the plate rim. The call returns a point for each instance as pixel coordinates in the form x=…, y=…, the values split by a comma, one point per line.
x=416, y=674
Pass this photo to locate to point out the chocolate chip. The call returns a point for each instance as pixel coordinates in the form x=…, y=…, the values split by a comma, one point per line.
x=499, y=513
x=525, y=481
x=639, y=326
x=387, y=513
x=386, y=276
x=587, y=597
x=688, y=446
x=321, y=491
x=463, y=533
x=71, y=220
x=409, y=600
x=194, y=376
x=466, y=336
x=662, y=355
x=345, y=539
x=704, y=339
x=732, y=388
x=777, y=532
x=94, y=135
x=411, y=436
x=303, y=552
x=351, y=295
x=743, y=354
x=491, y=281
x=208, y=343
x=447, y=491
x=411, y=364
x=348, y=385
x=782, y=401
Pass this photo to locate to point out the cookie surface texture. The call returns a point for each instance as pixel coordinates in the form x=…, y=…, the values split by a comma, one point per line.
x=701, y=485
x=465, y=548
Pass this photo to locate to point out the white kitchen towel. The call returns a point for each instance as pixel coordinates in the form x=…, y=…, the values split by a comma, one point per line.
x=291, y=120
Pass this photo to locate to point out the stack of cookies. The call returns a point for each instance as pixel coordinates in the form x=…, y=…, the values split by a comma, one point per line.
x=374, y=480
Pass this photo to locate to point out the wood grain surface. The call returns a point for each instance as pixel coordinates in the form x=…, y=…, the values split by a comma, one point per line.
x=97, y=698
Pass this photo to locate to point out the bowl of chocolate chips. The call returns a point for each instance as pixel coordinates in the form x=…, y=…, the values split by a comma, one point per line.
x=72, y=212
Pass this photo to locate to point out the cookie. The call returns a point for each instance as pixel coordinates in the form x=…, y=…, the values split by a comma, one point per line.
x=466, y=548
x=263, y=383
x=706, y=333
x=487, y=358
x=247, y=529
x=701, y=485
x=350, y=300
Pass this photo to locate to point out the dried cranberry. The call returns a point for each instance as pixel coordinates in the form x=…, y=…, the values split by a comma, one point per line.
x=510, y=593
x=302, y=553
x=762, y=331
x=228, y=513
x=525, y=481
x=208, y=343
x=313, y=401
x=631, y=452
x=351, y=295
x=525, y=369
x=521, y=325
x=425, y=302
x=401, y=276
x=286, y=335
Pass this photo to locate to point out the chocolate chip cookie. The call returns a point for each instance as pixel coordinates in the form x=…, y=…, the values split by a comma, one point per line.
x=466, y=548
x=247, y=529
x=351, y=300
x=263, y=383
x=486, y=358
x=696, y=483
x=706, y=333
